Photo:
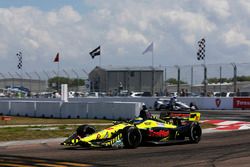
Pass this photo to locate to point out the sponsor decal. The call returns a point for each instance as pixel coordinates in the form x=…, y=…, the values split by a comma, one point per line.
x=179, y=115
x=217, y=102
x=241, y=102
x=161, y=133
x=147, y=123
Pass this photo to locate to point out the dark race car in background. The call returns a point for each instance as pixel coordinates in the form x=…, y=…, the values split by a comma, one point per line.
x=166, y=104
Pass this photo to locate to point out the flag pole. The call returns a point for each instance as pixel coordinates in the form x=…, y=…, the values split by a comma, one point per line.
x=153, y=76
x=100, y=61
x=153, y=58
x=58, y=69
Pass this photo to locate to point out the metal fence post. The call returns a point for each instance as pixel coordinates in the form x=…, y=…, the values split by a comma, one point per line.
x=235, y=76
x=205, y=79
x=192, y=79
x=178, y=79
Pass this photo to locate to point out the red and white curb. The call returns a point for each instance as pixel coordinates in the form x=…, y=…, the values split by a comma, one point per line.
x=224, y=125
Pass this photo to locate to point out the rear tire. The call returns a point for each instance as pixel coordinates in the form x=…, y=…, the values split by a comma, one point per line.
x=85, y=130
x=195, y=132
x=132, y=137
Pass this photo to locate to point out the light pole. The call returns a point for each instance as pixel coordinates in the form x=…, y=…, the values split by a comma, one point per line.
x=220, y=79
x=178, y=79
x=205, y=79
x=235, y=76
x=192, y=79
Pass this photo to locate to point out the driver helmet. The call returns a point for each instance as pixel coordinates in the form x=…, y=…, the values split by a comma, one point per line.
x=144, y=107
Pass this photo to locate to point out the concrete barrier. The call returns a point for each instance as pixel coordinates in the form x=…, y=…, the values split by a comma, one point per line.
x=22, y=108
x=4, y=108
x=74, y=110
x=52, y=109
x=211, y=103
x=103, y=107
x=48, y=109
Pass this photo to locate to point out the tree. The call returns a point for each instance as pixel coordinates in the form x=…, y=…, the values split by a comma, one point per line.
x=173, y=81
x=52, y=82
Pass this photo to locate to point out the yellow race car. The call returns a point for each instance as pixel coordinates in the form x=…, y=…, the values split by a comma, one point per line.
x=133, y=133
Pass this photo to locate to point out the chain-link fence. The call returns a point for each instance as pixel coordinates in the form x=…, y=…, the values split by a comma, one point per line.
x=209, y=78
x=199, y=78
x=37, y=81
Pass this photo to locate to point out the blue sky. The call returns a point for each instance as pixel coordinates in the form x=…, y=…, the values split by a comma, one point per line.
x=45, y=5
x=41, y=28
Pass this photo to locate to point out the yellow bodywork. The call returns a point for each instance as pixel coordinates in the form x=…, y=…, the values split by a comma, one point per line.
x=153, y=124
x=105, y=133
x=112, y=134
x=195, y=116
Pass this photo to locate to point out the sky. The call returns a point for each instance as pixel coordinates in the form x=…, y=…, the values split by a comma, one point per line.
x=124, y=29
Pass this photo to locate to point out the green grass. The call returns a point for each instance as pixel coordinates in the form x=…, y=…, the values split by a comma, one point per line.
x=33, y=132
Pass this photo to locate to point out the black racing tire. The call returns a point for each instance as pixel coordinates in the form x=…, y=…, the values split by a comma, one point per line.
x=132, y=137
x=85, y=130
x=195, y=132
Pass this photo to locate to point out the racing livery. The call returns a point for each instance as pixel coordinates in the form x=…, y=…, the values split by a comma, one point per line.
x=131, y=134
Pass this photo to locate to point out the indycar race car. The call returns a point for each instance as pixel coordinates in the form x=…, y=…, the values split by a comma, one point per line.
x=131, y=134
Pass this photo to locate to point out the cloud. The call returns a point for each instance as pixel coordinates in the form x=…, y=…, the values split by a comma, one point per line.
x=220, y=8
x=124, y=29
x=234, y=37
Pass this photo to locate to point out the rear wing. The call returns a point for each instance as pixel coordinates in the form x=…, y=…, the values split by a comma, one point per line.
x=190, y=116
x=195, y=116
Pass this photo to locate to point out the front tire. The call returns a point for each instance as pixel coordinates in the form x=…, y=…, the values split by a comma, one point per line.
x=132, y=137
x=195, y=132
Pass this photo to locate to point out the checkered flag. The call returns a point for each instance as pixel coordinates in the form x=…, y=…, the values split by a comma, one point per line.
x=201, y=49
x=20, y=60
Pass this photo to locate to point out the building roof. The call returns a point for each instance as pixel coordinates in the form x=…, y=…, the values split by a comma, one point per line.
x=131, y=68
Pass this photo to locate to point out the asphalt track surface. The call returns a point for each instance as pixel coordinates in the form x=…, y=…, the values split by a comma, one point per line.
x=215, y=149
